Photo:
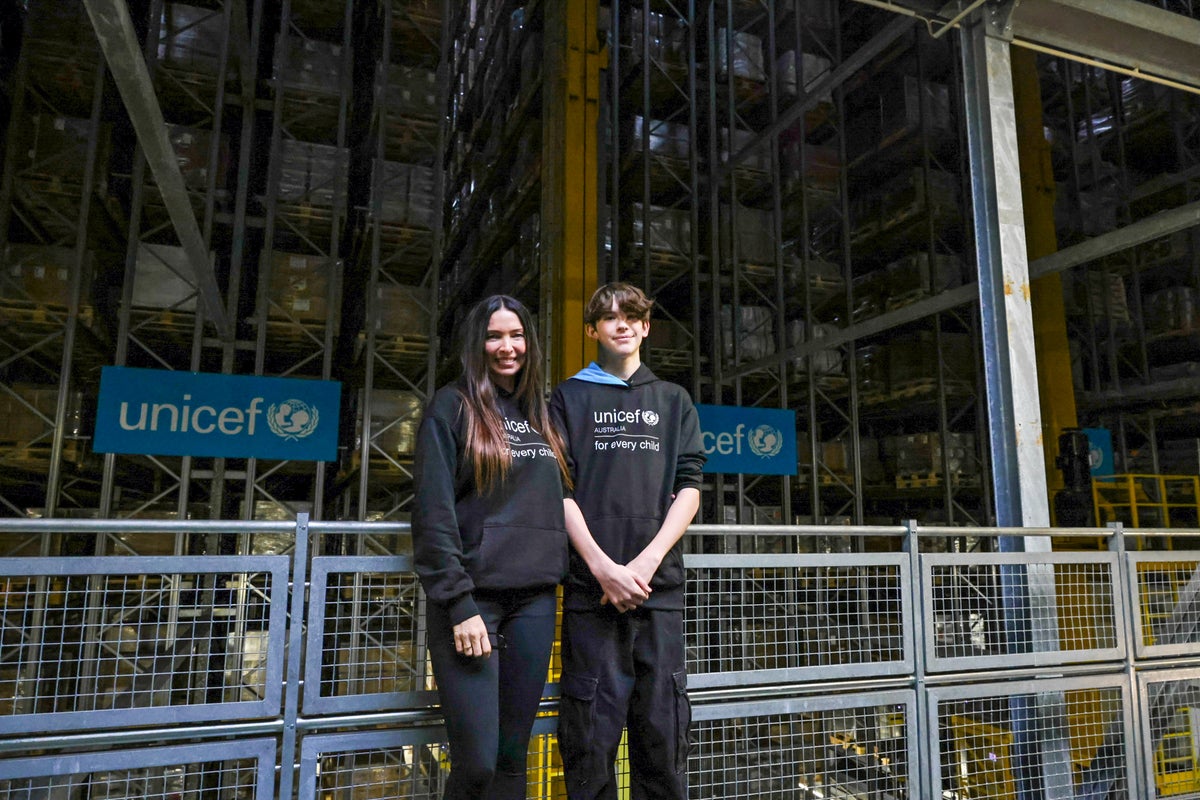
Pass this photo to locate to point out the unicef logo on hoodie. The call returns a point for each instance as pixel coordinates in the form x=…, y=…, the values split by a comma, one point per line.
x=766, y=441
x=292, y=419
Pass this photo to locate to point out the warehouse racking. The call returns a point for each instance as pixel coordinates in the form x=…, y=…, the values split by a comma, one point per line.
x=798, y=183
x=778, y=175
x=315, y=204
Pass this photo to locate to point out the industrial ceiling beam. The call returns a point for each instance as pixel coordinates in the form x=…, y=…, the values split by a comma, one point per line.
x=119, y=41
x=1127, y=33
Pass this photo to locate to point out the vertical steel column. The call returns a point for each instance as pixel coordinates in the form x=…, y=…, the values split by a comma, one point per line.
x=1019, y=477
x=571, y=112
x=242, y=35
x=1042, y=752
x=54, y=482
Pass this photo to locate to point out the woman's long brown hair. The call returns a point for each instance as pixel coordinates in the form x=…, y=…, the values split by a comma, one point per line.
x=487, y=443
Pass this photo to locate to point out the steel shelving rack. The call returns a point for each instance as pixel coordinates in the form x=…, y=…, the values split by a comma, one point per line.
x=291, y=177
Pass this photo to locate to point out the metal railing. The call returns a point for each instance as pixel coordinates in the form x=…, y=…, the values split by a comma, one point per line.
x=932, y=666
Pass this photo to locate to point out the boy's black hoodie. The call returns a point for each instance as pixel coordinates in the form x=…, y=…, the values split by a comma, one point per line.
x=631, y=446
x=512, y=538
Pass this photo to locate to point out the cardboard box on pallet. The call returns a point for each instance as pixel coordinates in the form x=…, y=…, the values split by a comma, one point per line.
x=299, y=286
x=402, y=310
x=829, y=361
x=163, y=278
x=912, y=361
x=921, y=275
x=41, y=274
x=404, y=193
x=191, y=38
x=412, y=91
x=27, y=414
x=55, y=148
x=834, y=457
x=395, y=415
x=753, y=333
x=312, y=173
x=311, y=65
x=920, y=454
x=192, y=152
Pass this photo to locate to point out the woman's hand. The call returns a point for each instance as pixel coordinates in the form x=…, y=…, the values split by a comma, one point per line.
x=471, y=638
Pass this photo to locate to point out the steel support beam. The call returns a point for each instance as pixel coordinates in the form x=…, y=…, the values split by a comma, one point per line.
x=1164, y=223
x=1041, y=752
x=1127, y=33
x=118, y=40
x=1010, y=365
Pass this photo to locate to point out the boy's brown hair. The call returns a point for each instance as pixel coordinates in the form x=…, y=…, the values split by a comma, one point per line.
x=630, y=299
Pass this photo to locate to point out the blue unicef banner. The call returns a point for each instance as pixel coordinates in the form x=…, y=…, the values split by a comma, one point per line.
x=749, y=441
x=1100, y=450
x=172, y=413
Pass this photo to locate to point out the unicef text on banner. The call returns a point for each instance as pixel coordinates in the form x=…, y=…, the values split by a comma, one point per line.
x=166, y=412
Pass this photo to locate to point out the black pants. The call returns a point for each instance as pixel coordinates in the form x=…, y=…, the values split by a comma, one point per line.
x=490, y=703
x=624, y=670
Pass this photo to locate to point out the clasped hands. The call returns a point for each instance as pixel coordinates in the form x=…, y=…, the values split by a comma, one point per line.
x=626, y=587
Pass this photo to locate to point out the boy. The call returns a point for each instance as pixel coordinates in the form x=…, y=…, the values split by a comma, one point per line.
x=634, y=451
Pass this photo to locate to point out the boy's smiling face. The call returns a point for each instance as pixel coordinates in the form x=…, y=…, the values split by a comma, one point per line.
x=619, y=335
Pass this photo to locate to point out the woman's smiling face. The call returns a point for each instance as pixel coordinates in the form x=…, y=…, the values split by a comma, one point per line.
x=504, y=348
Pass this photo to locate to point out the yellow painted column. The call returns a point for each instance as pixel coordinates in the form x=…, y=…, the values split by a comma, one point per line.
x=570, y=144
x=1055, y=386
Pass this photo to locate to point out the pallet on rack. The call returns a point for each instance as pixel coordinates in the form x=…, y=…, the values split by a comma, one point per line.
x=826, y=478
x=928, y=480
x=873, y=397
x=24, y=314
x=34, y=456
x=922, y=387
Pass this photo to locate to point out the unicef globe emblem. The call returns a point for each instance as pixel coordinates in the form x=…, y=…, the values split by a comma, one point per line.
x=292, y=419
x=651, y=417
x=766, y=441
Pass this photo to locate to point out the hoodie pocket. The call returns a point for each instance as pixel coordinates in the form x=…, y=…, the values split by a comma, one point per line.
x=514, y=557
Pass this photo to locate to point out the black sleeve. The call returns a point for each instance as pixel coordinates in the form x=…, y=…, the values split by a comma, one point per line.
x=558, y=418
x=437, y=544
x=689, y=464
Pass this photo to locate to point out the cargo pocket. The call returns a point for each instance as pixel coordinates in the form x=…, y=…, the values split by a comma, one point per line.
x=577, y=727
x=683, y=721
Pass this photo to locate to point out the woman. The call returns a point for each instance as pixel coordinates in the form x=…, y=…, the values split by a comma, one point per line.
x=490, y=546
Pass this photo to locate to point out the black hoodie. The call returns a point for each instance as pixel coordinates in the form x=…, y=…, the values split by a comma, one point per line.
x=512, y=538
x=631, y=447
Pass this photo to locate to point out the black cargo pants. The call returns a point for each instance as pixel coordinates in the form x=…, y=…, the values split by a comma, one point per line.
x=624, y=670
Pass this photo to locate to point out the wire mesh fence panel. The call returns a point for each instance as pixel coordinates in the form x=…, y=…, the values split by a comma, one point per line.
x=366, y=636
x=96, y=643
x=860, y=745
x=1071, y=737
x=1170, y=723
x=763, y=619
x=1166, y=600
x=1014, y=610
x=213, y=770
x=409, y=764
